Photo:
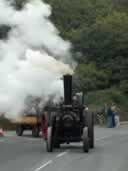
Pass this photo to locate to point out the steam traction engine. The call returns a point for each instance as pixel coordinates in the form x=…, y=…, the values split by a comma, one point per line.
x=69, y=121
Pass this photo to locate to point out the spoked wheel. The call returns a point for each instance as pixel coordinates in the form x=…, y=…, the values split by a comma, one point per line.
x=90, y=125
x=35, y=131
x=85, y=140
x=49, y=139
x=19, y=130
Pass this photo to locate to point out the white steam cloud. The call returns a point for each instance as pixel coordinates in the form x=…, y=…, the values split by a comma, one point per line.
x=26, y=68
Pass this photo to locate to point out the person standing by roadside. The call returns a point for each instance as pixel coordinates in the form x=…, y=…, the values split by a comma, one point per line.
x=110, y=116
x=113, y=108
x=116, y=118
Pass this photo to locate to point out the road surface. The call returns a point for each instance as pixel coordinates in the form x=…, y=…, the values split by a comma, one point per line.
x=29, y=154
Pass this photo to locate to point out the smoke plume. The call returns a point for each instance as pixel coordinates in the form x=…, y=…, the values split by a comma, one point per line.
x=31, y=58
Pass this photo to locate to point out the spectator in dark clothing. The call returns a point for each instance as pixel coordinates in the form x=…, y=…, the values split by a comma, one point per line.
x=110, y=118
x=113, y=108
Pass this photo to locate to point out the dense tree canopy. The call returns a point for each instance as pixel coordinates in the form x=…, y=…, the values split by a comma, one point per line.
x=98, y=30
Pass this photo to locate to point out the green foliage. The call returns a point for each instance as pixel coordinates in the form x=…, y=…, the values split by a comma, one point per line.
x=88, y=78
x=18, y=4
x=98, y=30
x=115, y=95
x=97, y=100
x=124, y=86
x=6, y=124
x=4, y=29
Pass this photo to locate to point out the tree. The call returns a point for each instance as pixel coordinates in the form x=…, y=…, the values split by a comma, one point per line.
x=18, y=4
x=110, y=44
x=88, y=78
x=4, y=29
x=98, y=31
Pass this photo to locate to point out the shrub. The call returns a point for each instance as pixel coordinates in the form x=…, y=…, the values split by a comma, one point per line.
x=124, y=86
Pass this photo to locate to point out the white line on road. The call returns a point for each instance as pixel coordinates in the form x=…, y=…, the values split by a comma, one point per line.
x=44, y=165
x=50, y=161
x=61, y=154
x=102, y=138
x=110, y=136
x=64, y=153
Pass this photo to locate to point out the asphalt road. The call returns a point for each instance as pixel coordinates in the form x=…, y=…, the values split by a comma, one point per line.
x=29, y=154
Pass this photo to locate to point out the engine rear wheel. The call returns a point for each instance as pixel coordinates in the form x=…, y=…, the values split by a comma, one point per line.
x=49, y=141
x=19, y=130
x=90, y=125
x=85, y=140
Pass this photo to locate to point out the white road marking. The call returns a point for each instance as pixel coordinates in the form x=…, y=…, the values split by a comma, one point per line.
x=110, y=136
x=64, y=153
x=61, y=154
x=44, y=165
x=102, y=138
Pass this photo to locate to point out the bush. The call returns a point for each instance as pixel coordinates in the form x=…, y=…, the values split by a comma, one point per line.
x=98, y=99
x=124, y=86
x=6, y=124
x=89, y=77
x=115, y=96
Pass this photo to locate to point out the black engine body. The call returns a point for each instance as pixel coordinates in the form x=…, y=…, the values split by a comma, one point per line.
x=68, y=118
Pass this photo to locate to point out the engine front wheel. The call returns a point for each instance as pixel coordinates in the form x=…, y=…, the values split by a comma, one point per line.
x=49, y=141
x=85, y=140
x=90, y=125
